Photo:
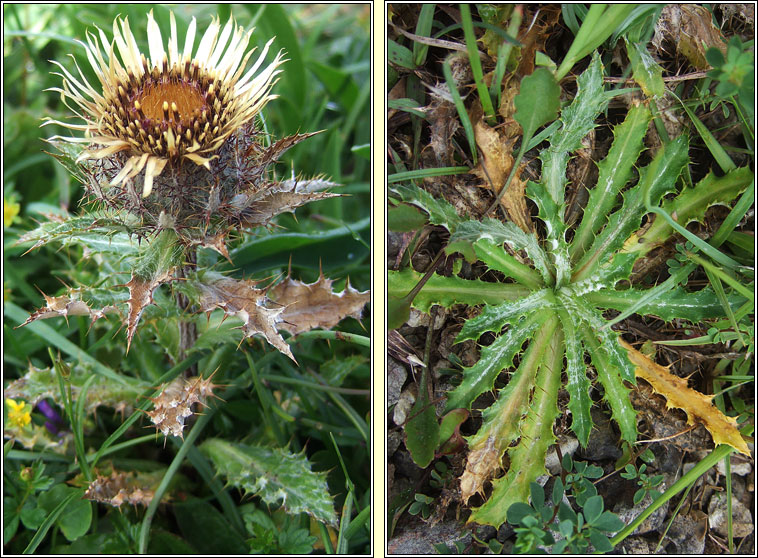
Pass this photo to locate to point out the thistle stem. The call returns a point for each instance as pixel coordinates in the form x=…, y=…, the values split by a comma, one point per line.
x=187, y=328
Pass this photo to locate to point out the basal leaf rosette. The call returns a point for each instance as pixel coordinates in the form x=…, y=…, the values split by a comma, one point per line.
x=543, y=319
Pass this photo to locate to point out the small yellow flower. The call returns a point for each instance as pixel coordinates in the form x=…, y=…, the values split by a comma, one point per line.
x=10, y=210
x=16, y=413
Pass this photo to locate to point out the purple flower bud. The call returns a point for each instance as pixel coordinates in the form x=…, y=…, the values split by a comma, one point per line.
x=54, y=419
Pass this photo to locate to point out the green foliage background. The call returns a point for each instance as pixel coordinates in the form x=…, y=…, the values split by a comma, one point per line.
x=325, y=85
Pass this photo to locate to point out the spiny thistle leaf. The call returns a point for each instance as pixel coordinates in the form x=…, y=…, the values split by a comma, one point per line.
x=446, y=291
x=614, y=172
x=528, y=457
x=678, y=303
x=140, y=296
x=275, y=475
x=494, y=318
x=555, y=232
x=66, y=306
x=691, y=205
x=315, y=305
x=502, y=421
x=658, y=178
x=42, y=383
x=577, y=384
x=258, y=208
x=585, y=314
x=95, y=231
x=577, y=120
x=499, y=233
x=243, y=300
x=440, y=211
x=679, y=395
x=174, y=404
x=611, y=368
x=122, y=487
x=291, y=305
x=493, y=255
x=645, y=70
x=155, y=266
x=494, y=358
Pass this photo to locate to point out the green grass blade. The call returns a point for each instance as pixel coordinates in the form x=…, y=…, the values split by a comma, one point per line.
x=50, y=520
x=55, y=339
x=468, y=128
x=685, y=481
x=719, y=290
x=400, y=55
x=601, y=21
x=475, y=62
x=426, y=173
x=184, y=448
x=719, y=153
x=423, y=29
x=747, y=292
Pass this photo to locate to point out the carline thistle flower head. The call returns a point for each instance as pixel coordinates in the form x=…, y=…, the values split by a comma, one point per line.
x=172, y=139
x=170, y=108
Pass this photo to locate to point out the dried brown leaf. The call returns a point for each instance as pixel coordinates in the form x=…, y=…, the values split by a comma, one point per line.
x=257, y=208
x=536, y=28
x=266, y=156
x=140, y=296
x=481, y=466
x=67, y=305
x=119, y=488
x=218, y=243
x=242, y=299
x=174, y=404
x=679, y=395
x=690, y=28
x=443, y=124
x=495, y=166
x=310, y=305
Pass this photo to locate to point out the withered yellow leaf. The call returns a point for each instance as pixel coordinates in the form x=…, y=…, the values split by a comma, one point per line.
x=679, y=395
x=494, y=167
